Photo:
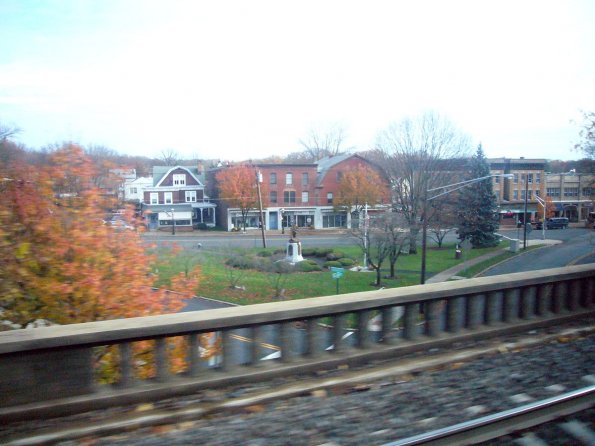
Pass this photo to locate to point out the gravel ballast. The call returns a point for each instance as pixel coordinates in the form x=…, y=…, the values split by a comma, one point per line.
x=382, y=411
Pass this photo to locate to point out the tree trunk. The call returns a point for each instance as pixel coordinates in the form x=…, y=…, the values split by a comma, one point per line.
x=413, y=240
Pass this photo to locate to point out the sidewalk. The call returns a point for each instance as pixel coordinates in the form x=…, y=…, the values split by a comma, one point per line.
x=248, y=233
x=449, y=273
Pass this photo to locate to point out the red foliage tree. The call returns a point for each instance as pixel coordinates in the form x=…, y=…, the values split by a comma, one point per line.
x=237, y=187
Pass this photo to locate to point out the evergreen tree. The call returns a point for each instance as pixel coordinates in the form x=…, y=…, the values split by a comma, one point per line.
x=477, y=213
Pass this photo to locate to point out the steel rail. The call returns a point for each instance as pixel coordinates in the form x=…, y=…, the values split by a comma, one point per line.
x=503, y=423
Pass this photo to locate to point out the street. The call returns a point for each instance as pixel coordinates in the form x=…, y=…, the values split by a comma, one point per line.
x=578, y=246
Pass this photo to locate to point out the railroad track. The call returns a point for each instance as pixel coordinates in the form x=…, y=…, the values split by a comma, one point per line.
x=527, y=419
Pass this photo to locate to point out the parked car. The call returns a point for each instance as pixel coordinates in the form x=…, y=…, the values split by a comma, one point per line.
x=537, y=224
x=556, y=223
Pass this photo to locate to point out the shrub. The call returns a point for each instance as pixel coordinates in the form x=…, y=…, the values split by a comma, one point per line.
x=345, y=261
x=279, y=251
x=334, y=255
x=309, y=252
x=307, y=267
x=201, y=226
x=311, y=261
x=265, y=254
x=243, y=262
x=322, y=252
x=333, y=263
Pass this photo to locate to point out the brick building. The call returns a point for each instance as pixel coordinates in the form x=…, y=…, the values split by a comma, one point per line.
x=528, y=178
x=572, y=193
x=299, y=195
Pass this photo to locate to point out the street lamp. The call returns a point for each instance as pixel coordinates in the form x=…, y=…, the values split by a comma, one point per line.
x=542, y=202
x=173, y=222
x=261, y=214
x=282, y=211
x=447, y=189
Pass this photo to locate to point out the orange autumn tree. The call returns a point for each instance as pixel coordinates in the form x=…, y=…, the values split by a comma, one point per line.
x=550, y=209
x=67, y=266
x=60, y=263
x=237, y=187
x=359, y=186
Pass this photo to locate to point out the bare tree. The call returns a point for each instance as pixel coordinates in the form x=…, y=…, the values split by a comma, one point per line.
x=587, y=134
x=398, y=236
x=277, y=272
x=442, y=219
x=381, y=240
x=419, y=154
x=169, y=157
x=7, y=132
x=324, y=142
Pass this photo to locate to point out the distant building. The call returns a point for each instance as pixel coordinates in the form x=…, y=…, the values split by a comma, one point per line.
x=301, y=195
x=528, y=178
x=117, y=179
x=572, y=193
x=134, y=189
x=177, y=197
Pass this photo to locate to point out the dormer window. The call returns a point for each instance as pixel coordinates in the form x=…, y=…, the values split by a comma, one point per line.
x=179, y=179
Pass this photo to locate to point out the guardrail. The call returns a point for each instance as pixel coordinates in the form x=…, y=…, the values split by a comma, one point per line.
x=41, y=369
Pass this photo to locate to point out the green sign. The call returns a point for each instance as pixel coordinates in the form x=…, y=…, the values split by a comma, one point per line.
x=337, y=272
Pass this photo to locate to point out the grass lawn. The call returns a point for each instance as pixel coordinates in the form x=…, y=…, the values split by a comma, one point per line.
x=256, y=287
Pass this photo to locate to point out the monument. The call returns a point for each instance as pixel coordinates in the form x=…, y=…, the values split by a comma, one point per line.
x=294, y=248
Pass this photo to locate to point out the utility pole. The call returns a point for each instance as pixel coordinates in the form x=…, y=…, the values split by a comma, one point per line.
x=258, y=181
x=173, y=222
x=424, y=238
x=366, y=224
x=525, y=211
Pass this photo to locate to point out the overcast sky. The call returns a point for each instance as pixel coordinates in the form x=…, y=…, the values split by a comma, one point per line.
x=248, y=79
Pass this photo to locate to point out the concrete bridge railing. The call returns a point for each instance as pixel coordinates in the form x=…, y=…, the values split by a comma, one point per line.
x=54, y=369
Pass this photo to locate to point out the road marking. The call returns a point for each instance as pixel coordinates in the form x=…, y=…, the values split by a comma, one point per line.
x=262, y=344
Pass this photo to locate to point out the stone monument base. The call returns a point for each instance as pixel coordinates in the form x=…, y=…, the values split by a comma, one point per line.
x=294, y=252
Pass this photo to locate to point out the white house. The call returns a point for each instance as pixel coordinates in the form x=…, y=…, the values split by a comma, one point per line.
x=134, y=189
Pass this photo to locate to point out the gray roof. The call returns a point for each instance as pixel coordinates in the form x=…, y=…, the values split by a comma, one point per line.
x=160, y=171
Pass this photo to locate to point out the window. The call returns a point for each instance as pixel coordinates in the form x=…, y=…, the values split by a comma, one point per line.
x=289, y=178
x=515, y=178
x=190, y=196
x=329, y=198
x=179, y=179
x=289, y=196
x=538, y=178
x=133, y=190
x=587, y=192
x=571, y=192
x=497, y=179
x=515, y=194
x=273, y=196
x=168, y=198
x=154, y=198
x=334, y=221
x=523, y=178
x=553, y=191
x=305, y=178
x=522, y=194
x=305, y=197
x=529, y=195
x=537, y=194
x=339, y=176
x=530, y=178
x=273, y=178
